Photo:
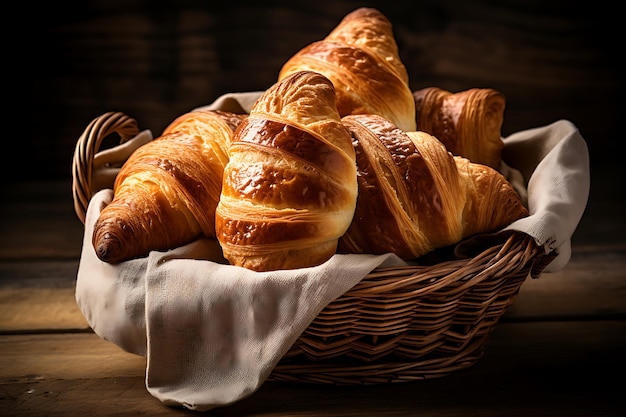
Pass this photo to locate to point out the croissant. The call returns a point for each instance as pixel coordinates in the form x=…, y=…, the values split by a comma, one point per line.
x=166, y=193
x=360, y=56
x=289, y=189
x=414, y=196
x=468, y=123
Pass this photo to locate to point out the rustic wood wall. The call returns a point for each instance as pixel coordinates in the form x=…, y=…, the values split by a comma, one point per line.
x=155, y=60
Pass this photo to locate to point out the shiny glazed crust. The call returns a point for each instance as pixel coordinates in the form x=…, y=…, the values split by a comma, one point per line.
x=360, y=56
x=289, y=188
x=415, y=196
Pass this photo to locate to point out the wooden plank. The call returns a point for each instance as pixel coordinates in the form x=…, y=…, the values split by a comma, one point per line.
x=38, y=219
x=65, y=356
x=39, y=309
x=39, y=296
x=36, y=296
x=590, y=285
x=548, y=369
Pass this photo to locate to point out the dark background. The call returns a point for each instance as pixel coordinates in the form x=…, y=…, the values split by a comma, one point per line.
x=154, y=60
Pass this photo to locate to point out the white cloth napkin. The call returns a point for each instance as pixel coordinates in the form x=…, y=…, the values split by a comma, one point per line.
x=212, y=333
x=555, y=159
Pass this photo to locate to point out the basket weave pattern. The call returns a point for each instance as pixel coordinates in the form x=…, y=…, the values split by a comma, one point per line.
x=397, y=324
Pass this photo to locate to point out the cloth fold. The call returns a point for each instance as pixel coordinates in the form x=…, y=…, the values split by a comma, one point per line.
x=207, y=347
x=555, y=158
x=212, y=333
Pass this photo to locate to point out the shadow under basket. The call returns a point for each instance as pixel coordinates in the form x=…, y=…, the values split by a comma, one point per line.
x=397, y=324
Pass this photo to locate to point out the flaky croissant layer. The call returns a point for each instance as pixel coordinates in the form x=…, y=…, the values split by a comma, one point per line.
x=289, y=189
x=415, y=196
x=360, y=56
x=468, y=123
x=166, y=193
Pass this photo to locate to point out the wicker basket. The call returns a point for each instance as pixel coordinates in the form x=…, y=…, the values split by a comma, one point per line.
x=397, y=324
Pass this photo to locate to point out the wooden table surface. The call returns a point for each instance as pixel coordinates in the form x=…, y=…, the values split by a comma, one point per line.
x=558, y=351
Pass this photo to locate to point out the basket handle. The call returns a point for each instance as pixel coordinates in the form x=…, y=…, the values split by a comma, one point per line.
x=87, y=159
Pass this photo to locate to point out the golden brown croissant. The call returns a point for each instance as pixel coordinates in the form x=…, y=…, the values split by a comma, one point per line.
x=468, y=123
x=289, y=189
x=165, y=194
x=360, y=56
x=415, y=196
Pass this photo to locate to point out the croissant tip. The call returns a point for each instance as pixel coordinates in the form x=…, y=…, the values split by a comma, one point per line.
x=108, y=249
